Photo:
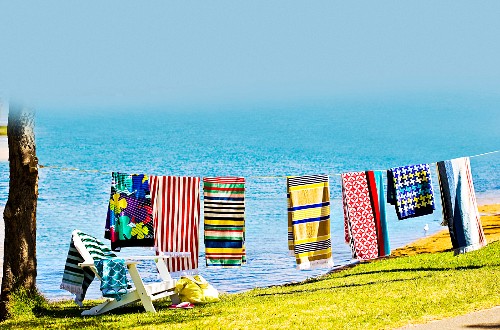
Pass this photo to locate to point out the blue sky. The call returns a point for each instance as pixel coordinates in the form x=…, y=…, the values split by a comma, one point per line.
x=194, y=53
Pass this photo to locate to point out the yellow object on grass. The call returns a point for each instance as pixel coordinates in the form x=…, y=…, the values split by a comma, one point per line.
x=196, y=290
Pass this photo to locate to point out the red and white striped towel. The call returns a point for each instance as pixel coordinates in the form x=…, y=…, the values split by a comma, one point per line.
x=176, y=216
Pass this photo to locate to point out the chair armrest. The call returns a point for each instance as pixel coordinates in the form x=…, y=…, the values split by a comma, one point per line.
x=83, y=264
x=133, y=259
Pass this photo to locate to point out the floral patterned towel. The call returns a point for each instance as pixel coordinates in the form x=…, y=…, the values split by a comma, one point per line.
x=129, y=220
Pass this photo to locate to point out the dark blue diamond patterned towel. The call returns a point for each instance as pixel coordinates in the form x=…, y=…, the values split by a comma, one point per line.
x=409, y=188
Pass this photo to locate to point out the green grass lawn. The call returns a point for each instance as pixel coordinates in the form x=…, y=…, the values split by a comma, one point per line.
x=383, y=294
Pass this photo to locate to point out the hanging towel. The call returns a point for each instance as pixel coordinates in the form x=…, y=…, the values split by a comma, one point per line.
x=176, y=217
x=409, y=188
x=129, y=220
x=359, y=216
x=460, y=211
x=224, y=221
x=76, y=279
x=113, y=273
x=383, y=239
x=309, y=221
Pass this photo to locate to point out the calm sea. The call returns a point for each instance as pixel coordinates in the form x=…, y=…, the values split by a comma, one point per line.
x=251, y=142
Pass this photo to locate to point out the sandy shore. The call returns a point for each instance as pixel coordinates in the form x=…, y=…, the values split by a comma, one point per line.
x=440, y=242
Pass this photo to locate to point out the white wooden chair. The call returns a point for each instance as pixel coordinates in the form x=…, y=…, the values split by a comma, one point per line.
x=146, y=293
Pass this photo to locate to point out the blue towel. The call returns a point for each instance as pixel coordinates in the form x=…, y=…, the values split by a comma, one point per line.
x=113, y=273
x=460, y=211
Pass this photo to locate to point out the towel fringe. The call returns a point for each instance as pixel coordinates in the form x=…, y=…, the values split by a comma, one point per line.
x=469, y=248
x=174, y=254
x=185, y=272
x=316, y=264
x=75, y=289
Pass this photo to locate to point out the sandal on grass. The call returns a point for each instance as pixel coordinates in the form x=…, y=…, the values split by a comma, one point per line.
x=185, y=305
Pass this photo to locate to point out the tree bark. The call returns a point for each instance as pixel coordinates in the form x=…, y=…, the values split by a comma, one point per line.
x=19, y=268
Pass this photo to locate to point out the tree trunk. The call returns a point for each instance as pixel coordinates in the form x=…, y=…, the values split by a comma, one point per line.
x=19, y=268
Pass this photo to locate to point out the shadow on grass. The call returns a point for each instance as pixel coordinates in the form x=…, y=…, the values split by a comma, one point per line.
x=421, y=269
x=70, y=317
x=346, y=267
x=75, y=311
x=353, y=285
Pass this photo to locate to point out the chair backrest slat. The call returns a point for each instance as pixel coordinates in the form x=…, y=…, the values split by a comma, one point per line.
x=91, y=248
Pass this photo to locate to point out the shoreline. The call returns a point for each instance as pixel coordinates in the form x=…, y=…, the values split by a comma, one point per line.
x=437, y=242
x=440, y=241
x=434, y=243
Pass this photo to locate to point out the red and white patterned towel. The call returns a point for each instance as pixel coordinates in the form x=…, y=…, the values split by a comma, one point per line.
x=176, y=216
x=359, y=223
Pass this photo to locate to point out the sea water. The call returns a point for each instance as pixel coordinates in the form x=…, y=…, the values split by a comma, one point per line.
x=262, y=144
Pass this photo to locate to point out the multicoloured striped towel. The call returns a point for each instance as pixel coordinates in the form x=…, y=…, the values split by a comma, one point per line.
x=76, y=279
x=460, y=211
x=129, y=220
x=359, y=216
x=224, y=216
x=309, y=221
x=409, y=188
x=176, y=215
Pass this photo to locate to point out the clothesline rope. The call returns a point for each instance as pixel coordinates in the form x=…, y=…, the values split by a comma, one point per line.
x=486, y=153
x=252, y=177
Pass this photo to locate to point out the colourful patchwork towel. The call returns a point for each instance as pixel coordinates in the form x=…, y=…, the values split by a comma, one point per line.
x=460, y=211
x=409, y=188
x=360, y=215
x=113, y=273
x=176, y=215
x=129, y=220
x=76, y=279
x=309, y=221
x=224, y=216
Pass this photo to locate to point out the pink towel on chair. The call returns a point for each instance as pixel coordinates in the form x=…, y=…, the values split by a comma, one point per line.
x=176, y=216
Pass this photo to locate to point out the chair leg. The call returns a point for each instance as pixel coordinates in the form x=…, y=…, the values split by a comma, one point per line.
x=111, y=304
x=163, y=269
x=175, y=299
x=141, y=290
x=161, y=265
